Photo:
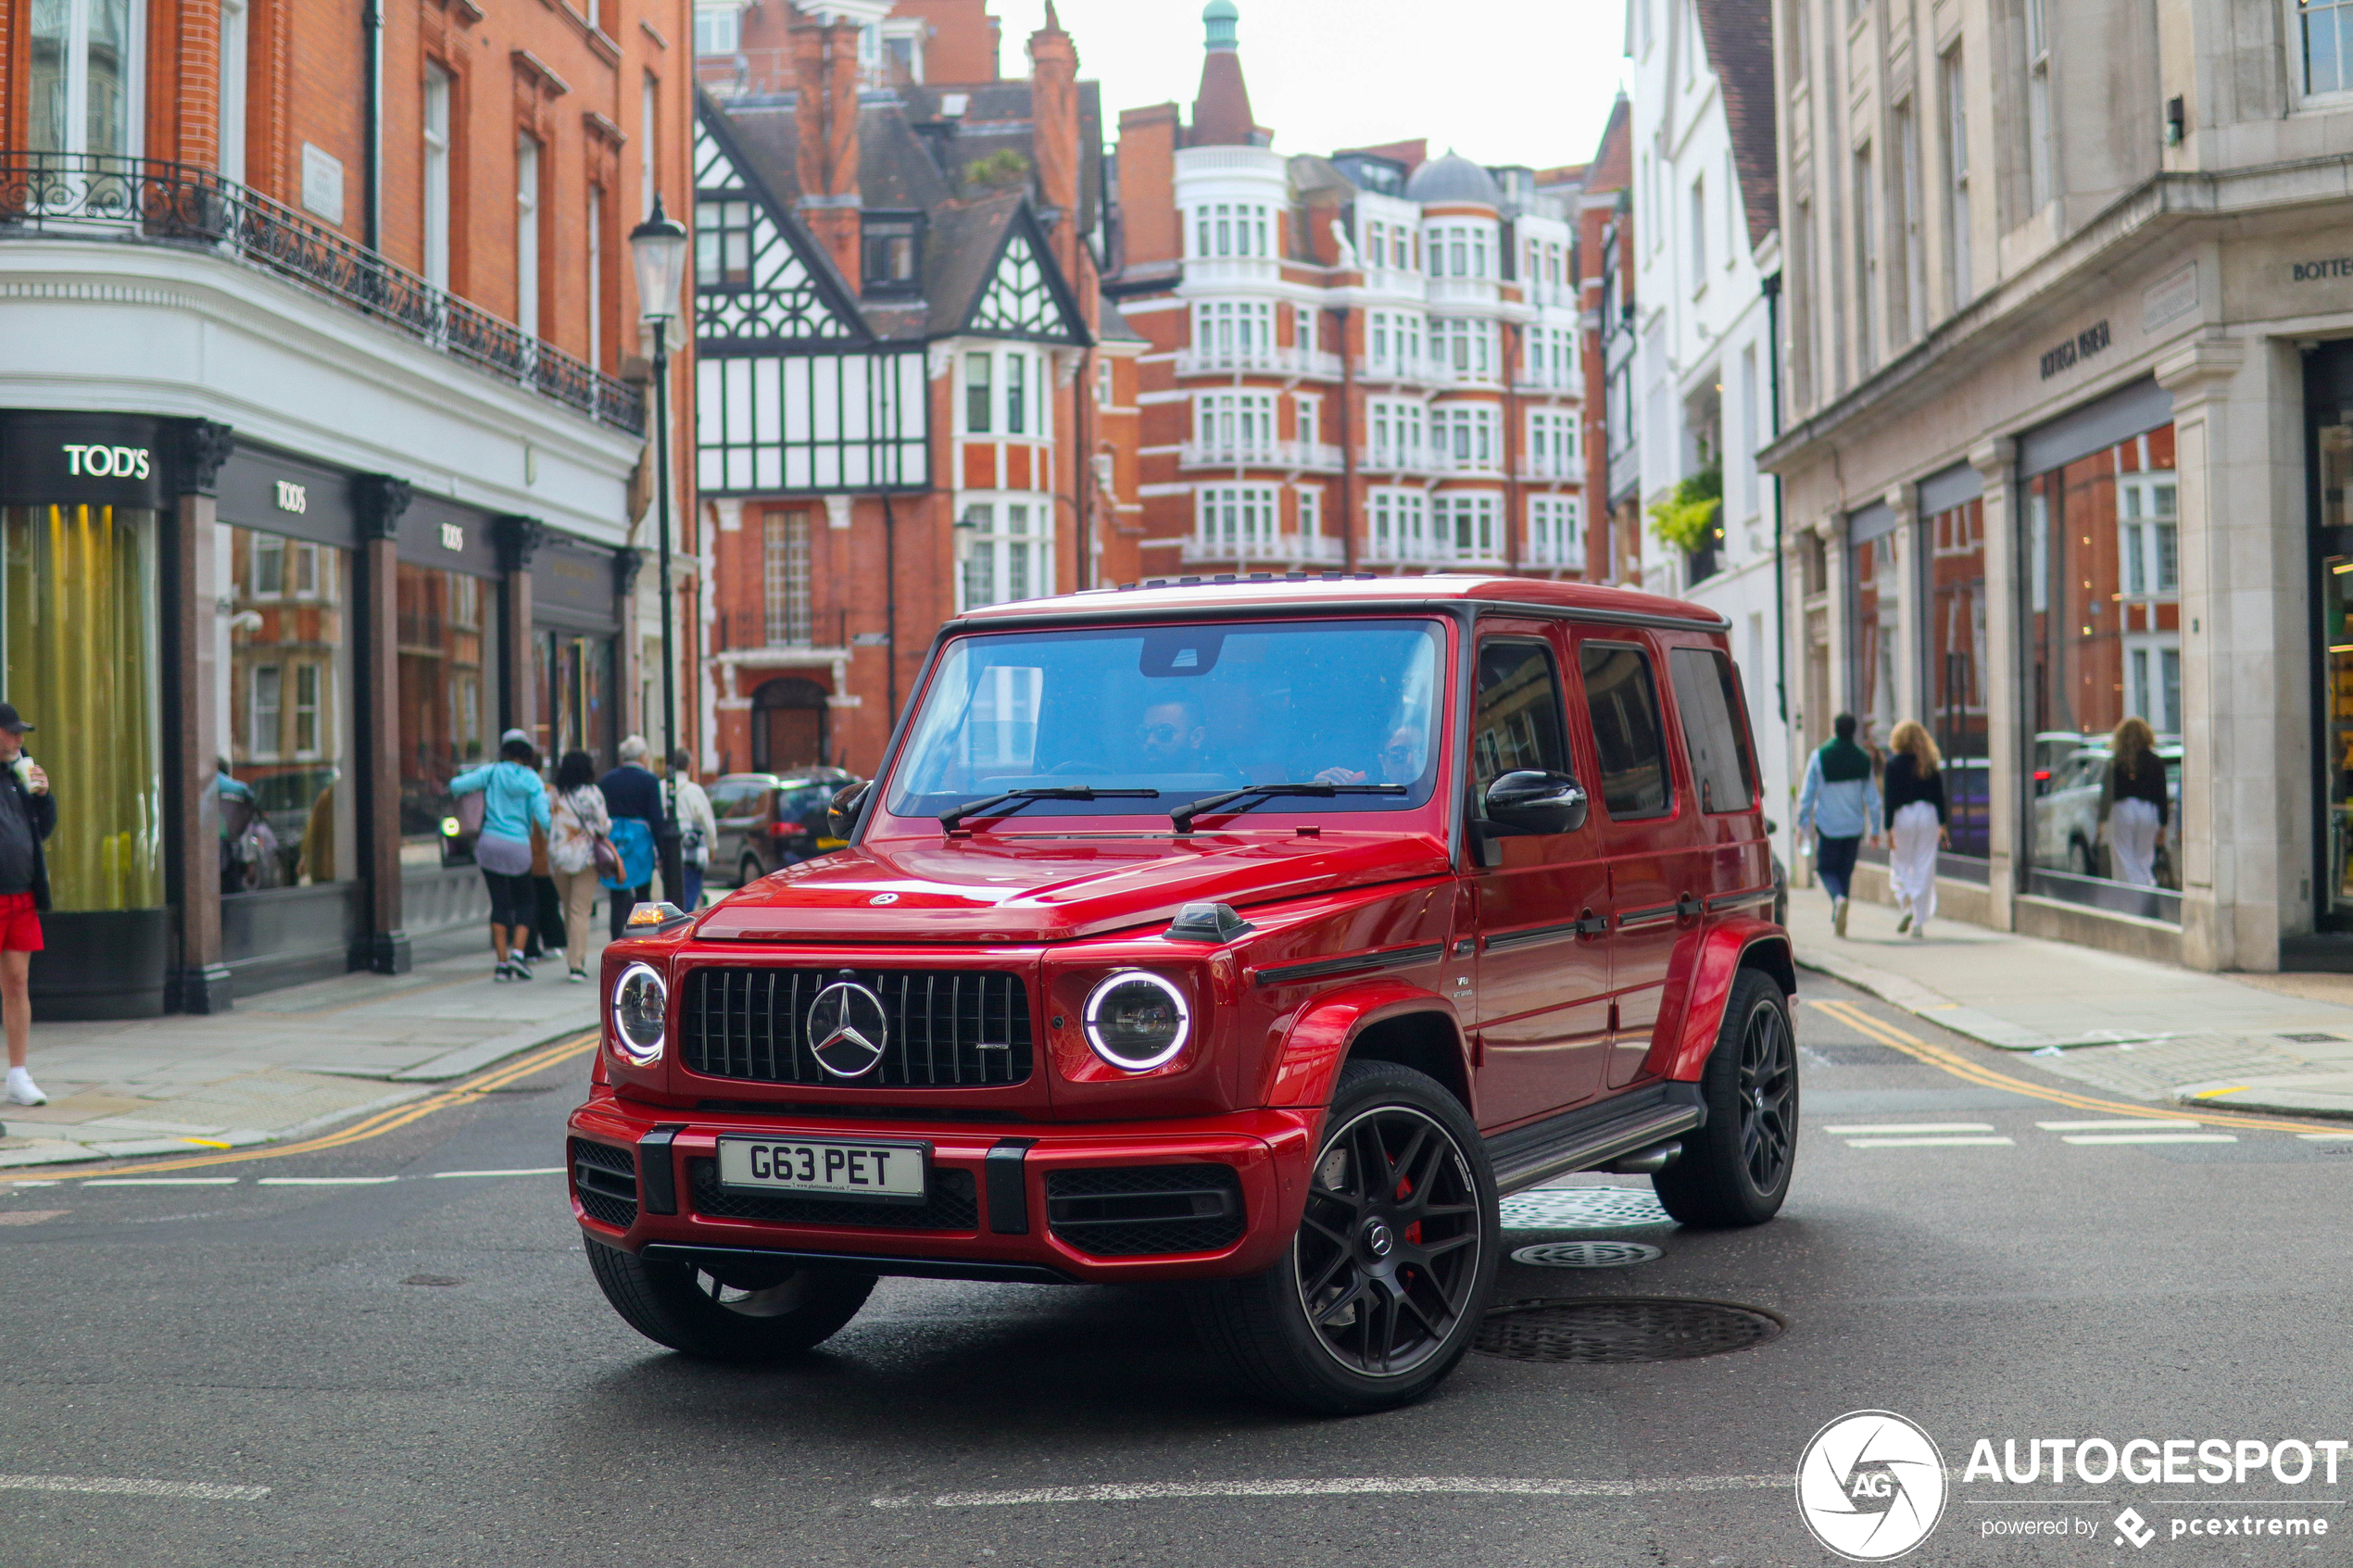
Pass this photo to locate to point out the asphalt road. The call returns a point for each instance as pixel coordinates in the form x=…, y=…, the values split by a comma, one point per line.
x=420, y=1369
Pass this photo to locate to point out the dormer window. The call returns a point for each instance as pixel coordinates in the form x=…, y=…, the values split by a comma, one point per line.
x=888, y=254
x=722, y=244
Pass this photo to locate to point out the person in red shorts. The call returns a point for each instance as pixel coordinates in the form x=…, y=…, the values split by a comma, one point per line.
x=28, y=812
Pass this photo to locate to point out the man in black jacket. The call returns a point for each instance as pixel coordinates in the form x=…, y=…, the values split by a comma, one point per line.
x=28, y=813
x=632, y=790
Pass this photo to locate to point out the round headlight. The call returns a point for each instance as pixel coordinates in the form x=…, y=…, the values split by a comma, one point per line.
x=1137, y=1020
x=640, y=1013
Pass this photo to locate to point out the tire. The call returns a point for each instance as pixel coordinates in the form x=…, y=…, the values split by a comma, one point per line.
x=1735, y=1171
x=1394, y=1306
x=747, y=871
x=776, y=1311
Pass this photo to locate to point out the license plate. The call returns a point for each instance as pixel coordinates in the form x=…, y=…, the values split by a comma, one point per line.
x=880, y=1172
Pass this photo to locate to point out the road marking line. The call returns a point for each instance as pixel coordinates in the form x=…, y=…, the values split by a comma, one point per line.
x=2325, y=1137
x=2149, y=1137
x=1930, y=1143
x=162, y=1181
x=322, y=1181
x=1967, y=1071
x=1342, y=1486
x=2181, y=1124
x=209, y=1491
x=1878, y=1128
x=209, y=1143
x=534, y=1170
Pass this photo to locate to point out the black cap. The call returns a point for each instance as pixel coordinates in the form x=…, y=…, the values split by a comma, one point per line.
x=10, y=722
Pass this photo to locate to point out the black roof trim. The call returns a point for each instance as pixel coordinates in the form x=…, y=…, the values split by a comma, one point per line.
x=1025, y=221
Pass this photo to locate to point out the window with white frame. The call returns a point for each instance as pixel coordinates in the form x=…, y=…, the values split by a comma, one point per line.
x=236, y=36
x=1552, y=442
x=1233, y=328
x=1699, y=234
x=528, y=234
x=1102, y=384
x=1237, y=520
x=718, y=29
x=85, y=92
x=1008, y=552
x=785, y=577
x=1463, y=436
x=1372, y=242
x=306, y=709
x=1465, y=348
x=1551, y=357
x=1397, y=434
x=1458, y=250
x=1235, y=421
x=1233, y=229
x=1303, y=328
x=1466, y=526
x=1401, y=525
x=2147, y=530
x=1394, y=342
x=1556, y=531
x=1306, y=419
x=1308, y=503
x=2152, y=680
x=269, y=709
x=1004, y=391
x=2328, y=45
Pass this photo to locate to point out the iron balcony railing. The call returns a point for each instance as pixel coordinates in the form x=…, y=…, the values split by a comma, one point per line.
x=83, y=196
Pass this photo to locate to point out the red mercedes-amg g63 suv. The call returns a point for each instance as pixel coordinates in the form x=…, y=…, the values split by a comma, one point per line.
x=1257, y=935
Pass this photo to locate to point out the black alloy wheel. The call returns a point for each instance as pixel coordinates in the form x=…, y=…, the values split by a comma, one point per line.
x=1388, y=1248
x=1379, y=1293
x=1736, y=1169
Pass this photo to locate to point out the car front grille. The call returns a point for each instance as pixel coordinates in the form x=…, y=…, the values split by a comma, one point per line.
x=1132, y=1210
x=952, y=1204
x=605, y=1180
x=944, y=1028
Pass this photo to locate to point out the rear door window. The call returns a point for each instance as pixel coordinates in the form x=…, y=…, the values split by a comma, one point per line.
x=1519, y=712
x=1708, y=699
x=1629, y=740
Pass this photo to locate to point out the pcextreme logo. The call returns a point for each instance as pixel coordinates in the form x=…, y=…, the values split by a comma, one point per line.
x=1870, y=1486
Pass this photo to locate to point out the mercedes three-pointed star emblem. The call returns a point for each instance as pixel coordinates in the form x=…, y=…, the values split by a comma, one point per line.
x=847, y=1029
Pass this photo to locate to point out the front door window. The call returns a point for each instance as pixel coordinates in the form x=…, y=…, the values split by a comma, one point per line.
x=84, y=88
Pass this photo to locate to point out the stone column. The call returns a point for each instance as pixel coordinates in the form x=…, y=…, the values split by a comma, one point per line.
x=1911, y=609
x=2008, y=729
x=378, y=500
x=192, y=800
x=518, y=539
x=2243, y=692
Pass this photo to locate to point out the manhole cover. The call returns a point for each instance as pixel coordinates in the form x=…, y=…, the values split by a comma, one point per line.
x=1585, y=1254
x=1622, y=1328
x=1583, y=1208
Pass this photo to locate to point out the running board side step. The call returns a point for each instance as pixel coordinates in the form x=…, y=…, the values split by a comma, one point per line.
x=1594, y=1137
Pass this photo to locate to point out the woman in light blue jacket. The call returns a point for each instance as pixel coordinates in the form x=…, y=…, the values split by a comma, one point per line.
x=514, y=801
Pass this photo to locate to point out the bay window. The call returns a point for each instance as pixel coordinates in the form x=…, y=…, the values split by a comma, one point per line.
x=1237, y=521
x=1008, y=552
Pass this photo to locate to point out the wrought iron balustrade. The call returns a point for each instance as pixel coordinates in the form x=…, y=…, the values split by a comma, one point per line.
x=87, y=196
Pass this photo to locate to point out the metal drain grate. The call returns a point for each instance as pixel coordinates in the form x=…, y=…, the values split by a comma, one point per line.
x=1583, y=1208
x=1622, y=1328
x=1586, y=1254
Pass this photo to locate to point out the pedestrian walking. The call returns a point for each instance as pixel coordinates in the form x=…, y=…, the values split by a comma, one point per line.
x=633, y=795
x=514, y=802
x=698, y=828
x=1916, y=824
x=1840, y=802
x=2134, y=803
x=28, y=813
x=579, y=823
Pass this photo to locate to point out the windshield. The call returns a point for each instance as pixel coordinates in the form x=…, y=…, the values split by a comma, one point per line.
x=1188, y=711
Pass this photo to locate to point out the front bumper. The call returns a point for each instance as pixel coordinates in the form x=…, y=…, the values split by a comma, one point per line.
x=1007, y=1202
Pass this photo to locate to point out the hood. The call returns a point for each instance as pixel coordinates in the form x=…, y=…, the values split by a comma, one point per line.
x=1051, y=887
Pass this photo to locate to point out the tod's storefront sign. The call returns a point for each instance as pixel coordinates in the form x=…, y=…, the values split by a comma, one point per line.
x=88, y=460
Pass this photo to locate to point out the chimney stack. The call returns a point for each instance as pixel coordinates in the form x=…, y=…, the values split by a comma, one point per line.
x=1054, y=114
x=825, y=134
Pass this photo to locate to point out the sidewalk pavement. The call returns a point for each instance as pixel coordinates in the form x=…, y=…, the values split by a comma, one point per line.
x=285, y=1064
x=2129, y=1026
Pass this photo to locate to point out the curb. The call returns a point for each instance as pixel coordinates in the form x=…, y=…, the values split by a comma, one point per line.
x=475, y=1058
x=2281, y=1097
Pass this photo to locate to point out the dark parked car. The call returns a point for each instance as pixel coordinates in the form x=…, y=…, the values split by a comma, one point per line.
x=770, y=821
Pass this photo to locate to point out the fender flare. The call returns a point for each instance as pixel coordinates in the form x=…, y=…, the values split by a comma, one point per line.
x=1324, y=1028
x=1704, y=974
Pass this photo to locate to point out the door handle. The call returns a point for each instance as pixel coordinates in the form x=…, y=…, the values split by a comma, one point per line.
x=1591, y=924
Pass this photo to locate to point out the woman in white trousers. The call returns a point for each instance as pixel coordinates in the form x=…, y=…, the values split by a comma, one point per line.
x=1914, y=793
x=2134, y=802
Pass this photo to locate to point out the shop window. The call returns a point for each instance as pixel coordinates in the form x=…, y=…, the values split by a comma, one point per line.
x=286, y=737
x=573, y=672
x=1954, y=541
x=1874, y=638
x=447, y=630
x=77, y=587
x=2104, y=641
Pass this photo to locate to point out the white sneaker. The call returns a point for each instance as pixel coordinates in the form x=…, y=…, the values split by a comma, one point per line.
x=22, y=1090
x=1838, y=916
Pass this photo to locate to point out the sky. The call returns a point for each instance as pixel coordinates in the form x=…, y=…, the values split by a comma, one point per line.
x=1529, y=81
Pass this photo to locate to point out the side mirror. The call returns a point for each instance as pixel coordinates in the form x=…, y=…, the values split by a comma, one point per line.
x=1532, y=802
x=841, y=814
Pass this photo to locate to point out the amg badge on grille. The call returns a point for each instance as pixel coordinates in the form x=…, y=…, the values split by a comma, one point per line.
x=847, y=1029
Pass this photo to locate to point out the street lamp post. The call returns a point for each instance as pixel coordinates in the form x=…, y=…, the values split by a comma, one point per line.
x=658, y=247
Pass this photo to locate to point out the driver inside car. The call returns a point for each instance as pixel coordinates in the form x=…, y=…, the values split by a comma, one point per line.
x=1172, y=739
x=1400, y=761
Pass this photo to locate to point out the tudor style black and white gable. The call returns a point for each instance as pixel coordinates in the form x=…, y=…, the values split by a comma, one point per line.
x=1024, y=295
x=793, y=391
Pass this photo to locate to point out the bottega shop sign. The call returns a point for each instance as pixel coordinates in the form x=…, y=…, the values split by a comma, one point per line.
x=81, y=459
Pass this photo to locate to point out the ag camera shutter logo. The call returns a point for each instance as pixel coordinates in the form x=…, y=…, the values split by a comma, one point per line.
x=1870, y=1486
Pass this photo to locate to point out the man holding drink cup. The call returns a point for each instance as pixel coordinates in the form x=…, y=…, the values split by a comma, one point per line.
x=28, y=812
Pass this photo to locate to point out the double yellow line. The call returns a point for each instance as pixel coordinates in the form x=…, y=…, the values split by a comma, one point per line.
x=373, y=1126
x=1962, y=1067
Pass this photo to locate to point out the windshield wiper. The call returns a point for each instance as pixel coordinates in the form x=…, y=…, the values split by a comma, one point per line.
x=948, y=820
x=1183, y=815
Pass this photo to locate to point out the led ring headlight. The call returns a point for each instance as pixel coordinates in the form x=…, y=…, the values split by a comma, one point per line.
x=1137, y=1020
x=640, y=1014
